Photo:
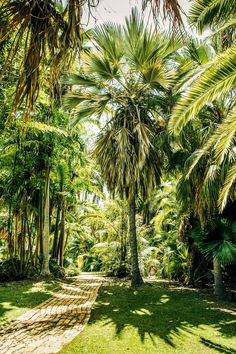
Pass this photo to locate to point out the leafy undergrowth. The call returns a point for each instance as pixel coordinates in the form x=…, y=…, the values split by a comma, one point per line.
x=18, y=297
x=156, y=319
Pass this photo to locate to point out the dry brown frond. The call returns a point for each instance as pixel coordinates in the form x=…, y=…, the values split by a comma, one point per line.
x=49, y=36
x=170, y=9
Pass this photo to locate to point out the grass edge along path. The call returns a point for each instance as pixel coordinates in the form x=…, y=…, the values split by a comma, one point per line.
x=18, y=297
x=160, y=319
x=48, y=326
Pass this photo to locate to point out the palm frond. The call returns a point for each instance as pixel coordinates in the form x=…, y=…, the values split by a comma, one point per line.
x=231, y=24
x=108, y=38
x=228, y=183
x=102, y=67
x=80, y=80
x=205, y=13
x=73, y=99
x=170, y=8
x=46, y=32
x=42, y=127
x=214, y=82
x=154, y=75
x=225, y=250
x=220, y=142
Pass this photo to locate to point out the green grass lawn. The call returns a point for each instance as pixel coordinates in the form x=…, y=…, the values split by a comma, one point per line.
x=156, y=320
x=18, y=297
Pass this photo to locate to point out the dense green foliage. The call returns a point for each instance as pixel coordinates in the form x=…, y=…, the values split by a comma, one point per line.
x=121, y=160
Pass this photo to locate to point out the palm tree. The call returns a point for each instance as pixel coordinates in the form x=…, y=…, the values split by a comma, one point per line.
x=124, y=76
x=216, y=84
x=217, y=80
x=219, y=76
x=207, y=13
x=41, y=32
x=218, y=243
x=50, y=31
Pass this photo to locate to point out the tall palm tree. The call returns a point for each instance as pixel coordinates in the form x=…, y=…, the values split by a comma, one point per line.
x=124, y=76
x=215, y=84
x=49, y=31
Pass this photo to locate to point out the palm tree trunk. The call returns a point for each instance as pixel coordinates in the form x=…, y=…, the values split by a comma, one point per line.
x=136, y=278
x=10, y=240
x=219, y=289
x=62, y=236
x=123, y=232
x=56, y=233
x=30, y=240
x=45, y=261
x=40, y=227
x=16, y=236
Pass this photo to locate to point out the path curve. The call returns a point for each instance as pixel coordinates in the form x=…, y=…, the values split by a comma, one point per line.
x=55, y=322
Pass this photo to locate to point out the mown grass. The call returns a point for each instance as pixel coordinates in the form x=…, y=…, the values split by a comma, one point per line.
x=18, y=297
x=156, y=320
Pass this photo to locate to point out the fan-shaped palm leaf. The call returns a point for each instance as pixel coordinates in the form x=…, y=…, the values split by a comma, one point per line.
x=109, y=38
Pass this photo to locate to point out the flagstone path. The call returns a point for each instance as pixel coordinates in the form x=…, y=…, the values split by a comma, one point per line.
x=55, y=322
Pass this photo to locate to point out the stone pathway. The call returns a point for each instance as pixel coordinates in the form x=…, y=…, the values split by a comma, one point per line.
x=55, y=322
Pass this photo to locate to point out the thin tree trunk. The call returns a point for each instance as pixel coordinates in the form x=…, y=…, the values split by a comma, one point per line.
x=219, y=289
x=21, y=244
x=40, y=227
x=56, y=233
x=16, y=236
x=67, y=238
x=45, y=261
x=191, y=266
x=24, y=234
x=136, y=278
x=62, y=235
x=51, y=206
x=10, y=218
x=30, y=254
x=10, y=241
x=37, y=233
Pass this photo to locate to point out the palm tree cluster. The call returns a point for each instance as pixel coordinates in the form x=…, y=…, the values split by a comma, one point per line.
x=164, y=103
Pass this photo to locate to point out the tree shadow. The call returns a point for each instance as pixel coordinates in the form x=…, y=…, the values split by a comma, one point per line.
x=60, y=316
x=166, y=313
x=218, y=347
x=24, y=294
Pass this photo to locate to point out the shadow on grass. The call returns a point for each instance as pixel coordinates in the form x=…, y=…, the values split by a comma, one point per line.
x=52, y=320
x=218, y=347
x=24, y=294
x=161, y=312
